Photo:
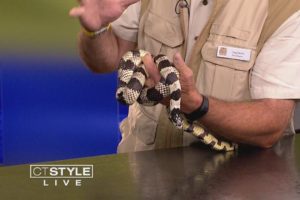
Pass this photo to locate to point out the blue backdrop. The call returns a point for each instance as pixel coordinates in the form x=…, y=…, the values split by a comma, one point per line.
x=53, y=108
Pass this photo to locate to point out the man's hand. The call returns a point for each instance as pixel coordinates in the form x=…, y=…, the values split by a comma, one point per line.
x=94, y=14
x=190, y=97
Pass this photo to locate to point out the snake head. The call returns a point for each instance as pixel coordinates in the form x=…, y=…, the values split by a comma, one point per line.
x=175, y=117
x=120, y=98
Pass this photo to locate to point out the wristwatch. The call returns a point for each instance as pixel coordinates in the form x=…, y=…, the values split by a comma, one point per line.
x=199, y=112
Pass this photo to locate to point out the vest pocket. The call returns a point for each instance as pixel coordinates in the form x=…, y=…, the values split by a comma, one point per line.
x=225, y=78
x=143, y=122
x=162, y=36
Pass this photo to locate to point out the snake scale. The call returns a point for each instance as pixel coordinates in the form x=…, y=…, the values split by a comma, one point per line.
x=131, y=88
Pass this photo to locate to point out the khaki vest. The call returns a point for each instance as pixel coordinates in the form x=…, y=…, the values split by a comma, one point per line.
x=235, y=23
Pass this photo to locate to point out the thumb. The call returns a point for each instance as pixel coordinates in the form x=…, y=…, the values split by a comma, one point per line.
x=151, y=68
x=77, y=11
x=179, y=62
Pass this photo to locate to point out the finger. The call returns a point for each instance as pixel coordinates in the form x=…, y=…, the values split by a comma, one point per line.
x=179, y=62
x=77, y=11
x=149, y=83
x=151, y=68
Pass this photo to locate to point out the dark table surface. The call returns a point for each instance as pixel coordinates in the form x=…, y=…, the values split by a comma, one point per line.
x=181, y=173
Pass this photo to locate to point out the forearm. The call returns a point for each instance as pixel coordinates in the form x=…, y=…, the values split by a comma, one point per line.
x=101, y=53
x=259, y=122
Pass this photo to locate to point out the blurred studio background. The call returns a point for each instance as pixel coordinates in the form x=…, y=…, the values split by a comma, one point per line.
x=51, y=106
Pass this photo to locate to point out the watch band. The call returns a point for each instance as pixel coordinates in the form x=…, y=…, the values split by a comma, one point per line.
x=199, y=112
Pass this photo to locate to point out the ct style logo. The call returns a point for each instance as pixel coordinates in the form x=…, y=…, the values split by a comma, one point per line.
x=61, y=175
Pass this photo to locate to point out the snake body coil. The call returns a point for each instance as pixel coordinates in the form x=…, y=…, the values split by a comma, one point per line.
x=132, y=76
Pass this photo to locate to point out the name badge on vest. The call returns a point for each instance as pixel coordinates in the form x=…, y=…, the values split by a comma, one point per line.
x=234, y=53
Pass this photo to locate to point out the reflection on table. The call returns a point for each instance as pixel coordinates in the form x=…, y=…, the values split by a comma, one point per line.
x=194, y=172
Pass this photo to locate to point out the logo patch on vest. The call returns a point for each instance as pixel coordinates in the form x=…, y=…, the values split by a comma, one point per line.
x=234, y=53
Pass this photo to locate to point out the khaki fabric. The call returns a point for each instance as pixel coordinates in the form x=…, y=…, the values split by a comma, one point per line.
x=160, y=29
x=139, y=128
x=237, y=24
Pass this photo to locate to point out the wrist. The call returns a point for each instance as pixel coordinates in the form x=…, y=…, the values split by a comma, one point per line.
x=195, y=102
x=93, y=34
x=199, y=110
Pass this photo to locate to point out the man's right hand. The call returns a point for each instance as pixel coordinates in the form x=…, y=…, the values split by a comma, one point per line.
x=94, y=14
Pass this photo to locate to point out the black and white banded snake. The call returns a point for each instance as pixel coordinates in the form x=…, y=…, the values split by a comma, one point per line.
x=132, y=76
